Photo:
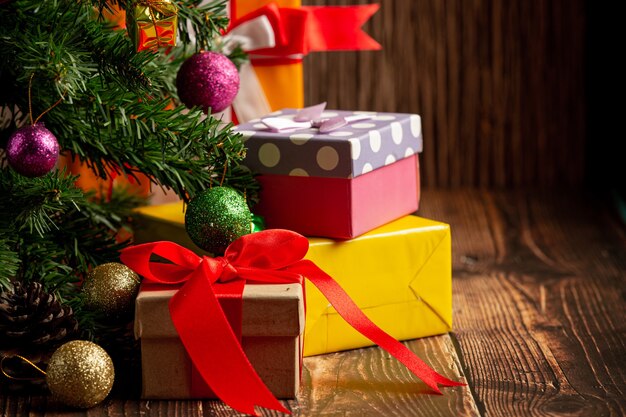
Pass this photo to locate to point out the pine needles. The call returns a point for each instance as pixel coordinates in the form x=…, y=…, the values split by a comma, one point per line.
x=118, y=114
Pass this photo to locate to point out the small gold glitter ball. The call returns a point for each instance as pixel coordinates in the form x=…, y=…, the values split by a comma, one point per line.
x=111, y=288
x=80, y=374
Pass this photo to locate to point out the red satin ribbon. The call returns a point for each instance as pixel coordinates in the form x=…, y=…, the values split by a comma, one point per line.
x=311, y=28
x=268, y=257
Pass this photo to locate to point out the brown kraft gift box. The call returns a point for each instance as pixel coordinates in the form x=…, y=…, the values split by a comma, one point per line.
x=271, y=330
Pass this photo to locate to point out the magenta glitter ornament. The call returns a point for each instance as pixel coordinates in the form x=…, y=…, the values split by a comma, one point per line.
x=207, y=79
x=32, y=150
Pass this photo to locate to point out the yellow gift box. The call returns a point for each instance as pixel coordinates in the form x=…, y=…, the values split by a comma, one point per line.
x=399, y=274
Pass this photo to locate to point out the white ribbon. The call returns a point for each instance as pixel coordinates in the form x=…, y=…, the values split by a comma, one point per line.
x=258, y=33
x=250, y=102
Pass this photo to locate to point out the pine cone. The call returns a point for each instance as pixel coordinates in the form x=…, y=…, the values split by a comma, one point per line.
x=32, y=320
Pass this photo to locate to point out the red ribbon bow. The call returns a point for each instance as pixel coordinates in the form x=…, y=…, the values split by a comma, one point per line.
x=267, y=257
x=307, y=29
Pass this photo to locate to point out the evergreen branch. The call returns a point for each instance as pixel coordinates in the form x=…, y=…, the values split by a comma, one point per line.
x=99, y=223
x=120, y=123
x=9, y=261
x=174, y=148
x=205, y=21
x=238, y=56
x=36, y=203
x=68, y=62
x=48, y=52
x=198, y=24
x=115, y=116
x=60, y=232
x=43, y=260
x=118, y=62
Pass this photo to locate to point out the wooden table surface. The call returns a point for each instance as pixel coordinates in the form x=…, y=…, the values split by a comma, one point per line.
x=539, y=324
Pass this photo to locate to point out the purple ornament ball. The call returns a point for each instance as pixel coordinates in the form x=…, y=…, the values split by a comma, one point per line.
x=207, y=80
x=32, y=150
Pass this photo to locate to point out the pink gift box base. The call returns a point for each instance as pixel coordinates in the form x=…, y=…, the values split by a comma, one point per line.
x=337, y=207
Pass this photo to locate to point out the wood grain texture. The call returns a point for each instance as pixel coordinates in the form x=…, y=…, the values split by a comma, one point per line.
x=369, y=382
x=362, y=382
x=540, y=327
x=539, y=301
x=499, y=86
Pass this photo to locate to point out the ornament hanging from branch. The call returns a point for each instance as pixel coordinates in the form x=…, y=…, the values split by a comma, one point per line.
x=217, y=217
x=33, y=150
x=80, y=373
x=111, y=289
x=152, y=24
x=208, y=80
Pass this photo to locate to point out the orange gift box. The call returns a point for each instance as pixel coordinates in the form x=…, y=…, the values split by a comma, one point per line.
x=282, y=83
x=276, y=34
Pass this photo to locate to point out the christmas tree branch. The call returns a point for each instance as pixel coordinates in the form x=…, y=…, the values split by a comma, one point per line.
x=9, y=260
x=206, y=22
x=56, y=230
x=199, y=22
x=117, y=113
x=173, y=148
x=35, y=202
x=120, y=122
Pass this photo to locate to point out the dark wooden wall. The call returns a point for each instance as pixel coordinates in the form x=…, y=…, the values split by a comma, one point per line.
x=500, y=86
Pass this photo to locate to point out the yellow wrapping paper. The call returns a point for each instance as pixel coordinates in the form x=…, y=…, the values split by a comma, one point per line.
x=398, y=274
x=282, y=84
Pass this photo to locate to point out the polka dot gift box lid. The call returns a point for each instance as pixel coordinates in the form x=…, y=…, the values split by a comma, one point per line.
x=347, y=152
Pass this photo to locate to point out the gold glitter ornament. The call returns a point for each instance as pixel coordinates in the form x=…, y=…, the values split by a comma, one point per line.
x=80, y=374
x=111, y=288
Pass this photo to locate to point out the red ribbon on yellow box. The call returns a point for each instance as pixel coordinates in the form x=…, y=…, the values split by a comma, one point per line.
x=268, y=257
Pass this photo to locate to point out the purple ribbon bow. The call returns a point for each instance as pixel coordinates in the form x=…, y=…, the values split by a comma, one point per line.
x=311, y=117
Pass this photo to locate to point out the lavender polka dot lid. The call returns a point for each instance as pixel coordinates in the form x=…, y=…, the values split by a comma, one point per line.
x=347, y=152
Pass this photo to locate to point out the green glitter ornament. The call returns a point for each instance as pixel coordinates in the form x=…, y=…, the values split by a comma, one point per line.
x=217, y=217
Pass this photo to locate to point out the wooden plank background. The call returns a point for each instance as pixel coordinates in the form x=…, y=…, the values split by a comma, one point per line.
x=499, y=85
x=538, y=296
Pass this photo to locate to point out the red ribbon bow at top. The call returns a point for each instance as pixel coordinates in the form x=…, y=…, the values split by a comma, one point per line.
x=274, y=35
x=298, y=31
x=268, y=257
